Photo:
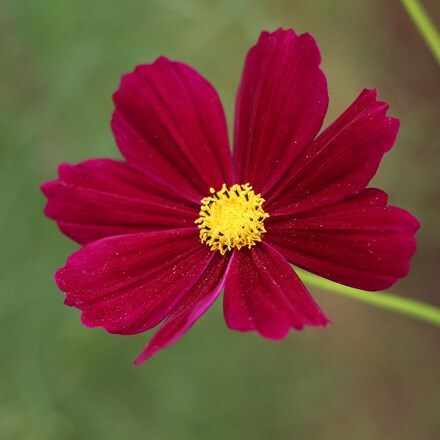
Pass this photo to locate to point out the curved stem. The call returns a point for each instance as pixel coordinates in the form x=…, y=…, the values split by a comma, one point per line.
x=405, y=306
x=425, y=26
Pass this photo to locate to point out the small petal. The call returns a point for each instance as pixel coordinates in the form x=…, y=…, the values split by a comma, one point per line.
x=281, y=104
x=340, y=162
x=193, y=305
x=170, y=125
x=359, y=242
x=102, y=197
x=129, y=283
x=263, y=293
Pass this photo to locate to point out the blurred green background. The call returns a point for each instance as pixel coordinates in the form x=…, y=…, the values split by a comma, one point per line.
x=370, y=375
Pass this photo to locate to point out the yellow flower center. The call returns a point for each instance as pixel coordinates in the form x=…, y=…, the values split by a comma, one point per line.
x=231, y=218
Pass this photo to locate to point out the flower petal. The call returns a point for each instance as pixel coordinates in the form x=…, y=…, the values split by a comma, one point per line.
x=129, y=283
x=340, y=162
x=193, y=305
x=102, y=197
x=263, y=293
x=170, y=125
x=359, y=242
x=281, y=104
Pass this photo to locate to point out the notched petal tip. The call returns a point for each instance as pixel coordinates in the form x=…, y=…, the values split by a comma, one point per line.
x=46, y=187
x=371, y=93
x=368, y=99
x=279, y=34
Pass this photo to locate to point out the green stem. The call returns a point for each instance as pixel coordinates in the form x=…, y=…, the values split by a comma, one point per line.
x=388, y=301
x=425, y=26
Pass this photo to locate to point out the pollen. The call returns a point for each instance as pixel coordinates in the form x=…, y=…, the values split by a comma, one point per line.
x=231, y=218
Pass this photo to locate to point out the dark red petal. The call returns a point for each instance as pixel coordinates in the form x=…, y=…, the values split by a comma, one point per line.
x=358, y=242
x=340, y=162
x=102, y=197
x=195, y=303
x=281, y=103
x=129, y=283
x=263, y=293
x=169, y=124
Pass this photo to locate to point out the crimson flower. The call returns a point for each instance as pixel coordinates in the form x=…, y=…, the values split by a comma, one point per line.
x=165, y=230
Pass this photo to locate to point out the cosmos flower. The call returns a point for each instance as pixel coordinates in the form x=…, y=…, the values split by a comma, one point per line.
x=165, y=230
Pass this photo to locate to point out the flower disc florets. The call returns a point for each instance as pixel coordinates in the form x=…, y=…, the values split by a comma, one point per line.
x=231, y=218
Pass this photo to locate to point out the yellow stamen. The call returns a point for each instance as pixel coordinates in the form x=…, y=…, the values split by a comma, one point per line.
x=231, y=218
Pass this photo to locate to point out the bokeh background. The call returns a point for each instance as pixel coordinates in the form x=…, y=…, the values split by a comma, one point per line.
x=370, y=375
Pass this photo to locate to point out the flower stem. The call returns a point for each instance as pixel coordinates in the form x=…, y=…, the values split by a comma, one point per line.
x=425, y=26
x=384, y=300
